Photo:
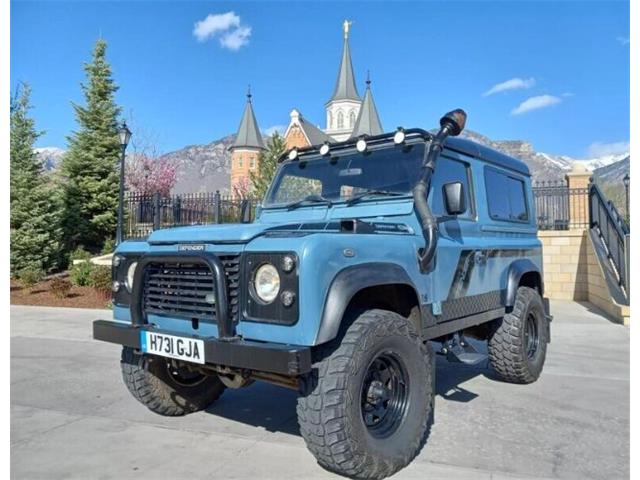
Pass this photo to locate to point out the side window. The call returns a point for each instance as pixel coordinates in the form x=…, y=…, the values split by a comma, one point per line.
x=506, y=196
x=447, y=171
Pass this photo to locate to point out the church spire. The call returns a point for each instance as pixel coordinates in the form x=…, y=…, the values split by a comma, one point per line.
x=345, y=84
x=368, y=121
x=248, y=133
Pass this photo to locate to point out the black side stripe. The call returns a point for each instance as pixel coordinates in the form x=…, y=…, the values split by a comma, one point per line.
x=470, y=258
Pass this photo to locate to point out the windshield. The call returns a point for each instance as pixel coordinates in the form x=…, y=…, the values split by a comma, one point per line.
x=387, y=171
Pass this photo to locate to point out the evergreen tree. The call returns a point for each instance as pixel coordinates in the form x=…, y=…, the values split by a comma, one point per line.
x=267, y=165
x=35, y=203
x=90, y=166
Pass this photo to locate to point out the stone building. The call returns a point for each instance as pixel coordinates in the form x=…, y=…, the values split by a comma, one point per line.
x=347, y=115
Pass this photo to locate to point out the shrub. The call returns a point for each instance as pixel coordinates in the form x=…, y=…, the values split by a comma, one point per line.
x=81, y=273
x=79, y=254
x=109, y=246
x=100, y=278
x=60, y=287
x=30, y=275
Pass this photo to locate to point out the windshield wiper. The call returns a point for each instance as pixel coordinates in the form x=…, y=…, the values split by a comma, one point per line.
x=309, y=199
x=370, y=193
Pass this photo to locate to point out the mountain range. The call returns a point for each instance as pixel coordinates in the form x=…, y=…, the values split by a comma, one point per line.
x=206, y=167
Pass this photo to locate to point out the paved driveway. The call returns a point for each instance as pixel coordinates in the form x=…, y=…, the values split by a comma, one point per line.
x=71, y=416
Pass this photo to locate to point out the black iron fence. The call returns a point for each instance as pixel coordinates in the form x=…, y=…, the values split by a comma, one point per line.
x=612, y=230
x=146, y=213
x=559, y=207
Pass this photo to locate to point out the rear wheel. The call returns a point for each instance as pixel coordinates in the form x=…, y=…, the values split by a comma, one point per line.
x=367, y=409
x=167, y=387
x=518, y=342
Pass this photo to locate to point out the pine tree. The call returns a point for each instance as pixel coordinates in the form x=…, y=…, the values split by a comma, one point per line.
x=35, y=202
x=90, y=166
x=267, y=165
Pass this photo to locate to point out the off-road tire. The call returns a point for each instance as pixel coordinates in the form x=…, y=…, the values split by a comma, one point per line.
x=507, y=343
x=329, y=410
x=149, y=381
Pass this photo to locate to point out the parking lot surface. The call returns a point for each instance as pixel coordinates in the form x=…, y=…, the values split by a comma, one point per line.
x=72, y=417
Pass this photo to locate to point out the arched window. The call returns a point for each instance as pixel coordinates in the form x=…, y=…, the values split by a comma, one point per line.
x=340, y=120
x=352, y=118
x=330, y=120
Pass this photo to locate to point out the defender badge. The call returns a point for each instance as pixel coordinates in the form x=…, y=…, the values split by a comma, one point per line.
x=191, y=248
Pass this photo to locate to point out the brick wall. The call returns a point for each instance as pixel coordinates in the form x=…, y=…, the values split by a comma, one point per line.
x=572, y=272
x=565, y=264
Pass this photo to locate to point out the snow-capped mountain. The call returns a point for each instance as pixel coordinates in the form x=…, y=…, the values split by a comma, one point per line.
x=206, y=167
x=50, y=156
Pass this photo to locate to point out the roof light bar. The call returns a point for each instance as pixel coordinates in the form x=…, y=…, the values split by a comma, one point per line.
x=399, y=136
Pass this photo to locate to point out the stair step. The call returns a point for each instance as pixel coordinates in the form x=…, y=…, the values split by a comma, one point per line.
x=467, y=358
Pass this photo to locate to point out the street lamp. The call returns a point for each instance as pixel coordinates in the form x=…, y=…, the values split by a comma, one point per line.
x=124, y=134
x=625, y=180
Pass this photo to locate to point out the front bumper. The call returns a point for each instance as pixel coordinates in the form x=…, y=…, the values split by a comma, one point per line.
x=235, y=353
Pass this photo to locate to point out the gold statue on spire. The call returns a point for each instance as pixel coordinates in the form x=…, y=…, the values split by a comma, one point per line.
x=345, y=28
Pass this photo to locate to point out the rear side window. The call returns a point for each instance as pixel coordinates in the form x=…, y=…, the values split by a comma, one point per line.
x=506, y=196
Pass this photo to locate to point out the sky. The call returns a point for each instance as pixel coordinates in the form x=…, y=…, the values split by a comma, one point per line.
x=552, y=73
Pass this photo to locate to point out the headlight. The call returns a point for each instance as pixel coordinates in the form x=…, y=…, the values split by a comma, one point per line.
x=131, y=271
x=266, y=283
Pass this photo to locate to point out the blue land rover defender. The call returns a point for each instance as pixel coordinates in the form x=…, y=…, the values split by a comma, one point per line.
x=367, y=258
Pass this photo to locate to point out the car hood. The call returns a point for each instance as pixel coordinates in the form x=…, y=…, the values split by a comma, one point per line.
x=227, y=233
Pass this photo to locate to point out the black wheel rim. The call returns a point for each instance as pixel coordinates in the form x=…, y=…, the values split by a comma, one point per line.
x=384, y=395
x=531, y=337
x=184, y=376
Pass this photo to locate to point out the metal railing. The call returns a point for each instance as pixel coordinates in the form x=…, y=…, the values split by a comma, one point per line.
x=559, y=207
x=146, y=213
x=612, y=230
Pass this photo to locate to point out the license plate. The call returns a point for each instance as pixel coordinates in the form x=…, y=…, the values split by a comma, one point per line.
x=180, y=348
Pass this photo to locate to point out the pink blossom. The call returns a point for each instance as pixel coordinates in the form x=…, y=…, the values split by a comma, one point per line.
x=147, y=175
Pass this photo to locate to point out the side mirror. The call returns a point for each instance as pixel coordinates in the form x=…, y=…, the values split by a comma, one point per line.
x=454, y=198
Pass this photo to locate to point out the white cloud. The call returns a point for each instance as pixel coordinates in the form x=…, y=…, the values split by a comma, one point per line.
x=535, y=103
x=228, y=26
x=511, y=84
x=234, y=39
x=601, y=149
x=624, y=40
x=275, y=128
x=213, y=24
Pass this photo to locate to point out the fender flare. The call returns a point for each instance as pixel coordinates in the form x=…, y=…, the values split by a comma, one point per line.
x=516, y=270
x=347, y=283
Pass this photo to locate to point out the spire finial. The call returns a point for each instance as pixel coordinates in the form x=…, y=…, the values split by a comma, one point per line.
x=249, y=92
x=368, y=82
x=345, y=28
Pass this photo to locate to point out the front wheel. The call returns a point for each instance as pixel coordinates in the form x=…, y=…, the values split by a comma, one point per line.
x=165, y=387
x=518, y=342
x=367, y=409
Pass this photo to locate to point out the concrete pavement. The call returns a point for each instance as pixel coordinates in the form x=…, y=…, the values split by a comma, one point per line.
x=71, y=416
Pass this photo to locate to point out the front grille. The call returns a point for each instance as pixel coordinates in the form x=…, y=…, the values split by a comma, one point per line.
x=180, y=289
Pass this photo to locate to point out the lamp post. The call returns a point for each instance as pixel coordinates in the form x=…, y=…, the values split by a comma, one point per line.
x=124, y=134
x=625, y=180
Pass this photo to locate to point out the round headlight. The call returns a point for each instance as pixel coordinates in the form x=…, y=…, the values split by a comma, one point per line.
x=266, y=283
x=293, y=154
x=399, y=136
x=324, y=149
x=361, y=145
x=131, y=271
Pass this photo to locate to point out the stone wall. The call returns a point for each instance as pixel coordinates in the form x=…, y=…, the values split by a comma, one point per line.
x=565, y=264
